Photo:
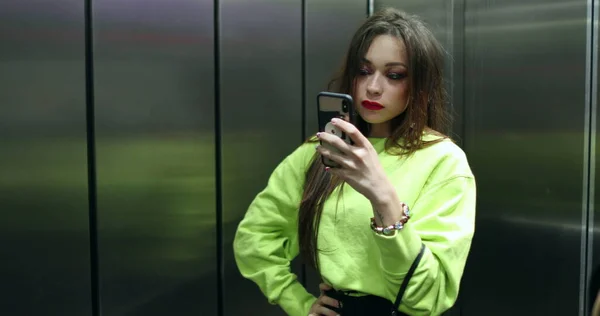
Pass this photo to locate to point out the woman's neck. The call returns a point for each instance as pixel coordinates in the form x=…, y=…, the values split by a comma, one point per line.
x=381, y=130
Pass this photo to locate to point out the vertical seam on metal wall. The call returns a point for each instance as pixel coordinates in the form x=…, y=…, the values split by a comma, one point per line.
x=458, y=9
x=218, y=161
x=593, y=130
x=464, y=72
x=303, y=97
x=592, y=72
x=457, y=27
x=589, y=158
x=303, y=66
x=463, y=60
x=591, y=109
x=451, y=56
x=91, y=159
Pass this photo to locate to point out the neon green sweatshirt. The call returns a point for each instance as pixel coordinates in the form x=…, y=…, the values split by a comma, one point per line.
x=437, y=184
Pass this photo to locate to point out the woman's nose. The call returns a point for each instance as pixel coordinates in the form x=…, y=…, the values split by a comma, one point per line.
x=374, y=87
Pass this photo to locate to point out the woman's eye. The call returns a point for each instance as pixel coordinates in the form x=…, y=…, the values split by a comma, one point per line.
x=396, y=76
x=363, y=71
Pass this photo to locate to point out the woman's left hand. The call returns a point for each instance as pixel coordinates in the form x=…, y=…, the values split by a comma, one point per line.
x=359, y=163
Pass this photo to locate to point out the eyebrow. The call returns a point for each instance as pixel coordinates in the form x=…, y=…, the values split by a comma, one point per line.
x=388, y=64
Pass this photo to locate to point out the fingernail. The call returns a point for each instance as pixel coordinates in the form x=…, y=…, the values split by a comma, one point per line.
x=318, y=134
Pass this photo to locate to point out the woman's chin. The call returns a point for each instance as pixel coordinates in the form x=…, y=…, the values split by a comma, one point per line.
x=372, y=117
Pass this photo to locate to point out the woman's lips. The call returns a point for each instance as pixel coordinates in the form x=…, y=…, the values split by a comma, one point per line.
x=371, y=105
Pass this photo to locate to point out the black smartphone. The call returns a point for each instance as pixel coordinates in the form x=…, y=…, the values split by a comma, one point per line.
x=331, y=105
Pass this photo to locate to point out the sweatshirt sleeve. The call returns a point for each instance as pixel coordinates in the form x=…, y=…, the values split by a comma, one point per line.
x=267, y=240
x=444, y=220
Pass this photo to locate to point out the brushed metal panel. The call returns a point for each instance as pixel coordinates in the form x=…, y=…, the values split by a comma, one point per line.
x=445, y=19
x=325, y=52
x=436, y=13
x=593, y=262
x=45, y=254
x=525, y=77
x=455, y=68
x=154, y=82
x=261, y=117
x=324, y=56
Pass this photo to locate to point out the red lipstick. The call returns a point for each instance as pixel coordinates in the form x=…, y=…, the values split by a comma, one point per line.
x=371, y=105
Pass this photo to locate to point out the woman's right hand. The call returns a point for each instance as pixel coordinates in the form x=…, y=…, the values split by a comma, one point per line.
x=319, y=307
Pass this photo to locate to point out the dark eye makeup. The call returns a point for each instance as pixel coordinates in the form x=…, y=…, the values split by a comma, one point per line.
x=364, y=71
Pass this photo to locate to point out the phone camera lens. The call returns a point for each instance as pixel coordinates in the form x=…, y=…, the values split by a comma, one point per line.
x=345, y=106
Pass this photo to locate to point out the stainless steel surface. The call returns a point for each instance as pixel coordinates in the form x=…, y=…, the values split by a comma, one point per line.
x=154, y=86
x=43, y=166
x=445, y=19
x=455, y=68
x=525, y=79
x=436, y=13
x=324, y=57
x=518, y=83
x=261, y=117
x=585, y=252
x=324, y=51
x=593, y=259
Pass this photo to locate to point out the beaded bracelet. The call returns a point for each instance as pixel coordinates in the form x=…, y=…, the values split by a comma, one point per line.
x=390, y=230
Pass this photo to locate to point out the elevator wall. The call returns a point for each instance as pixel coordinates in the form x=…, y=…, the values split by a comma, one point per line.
x=191, y=105
x=324, y=56
x=155, y=156
x=593, y=232
x=445, y=18
x=526, y=137
x=45, y=252
x=261, y=119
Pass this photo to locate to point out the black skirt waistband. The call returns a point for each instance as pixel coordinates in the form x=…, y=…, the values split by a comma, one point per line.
x=353, y=305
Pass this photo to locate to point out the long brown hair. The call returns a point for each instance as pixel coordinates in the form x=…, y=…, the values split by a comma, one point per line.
x=426, y=111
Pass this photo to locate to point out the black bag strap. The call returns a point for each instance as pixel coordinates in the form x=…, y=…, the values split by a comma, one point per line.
x=409, y=274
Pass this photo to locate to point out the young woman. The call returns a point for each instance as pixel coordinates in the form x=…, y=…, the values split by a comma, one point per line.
x=402, y=185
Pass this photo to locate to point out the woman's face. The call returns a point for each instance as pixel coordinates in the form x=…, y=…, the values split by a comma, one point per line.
x=381, y=88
